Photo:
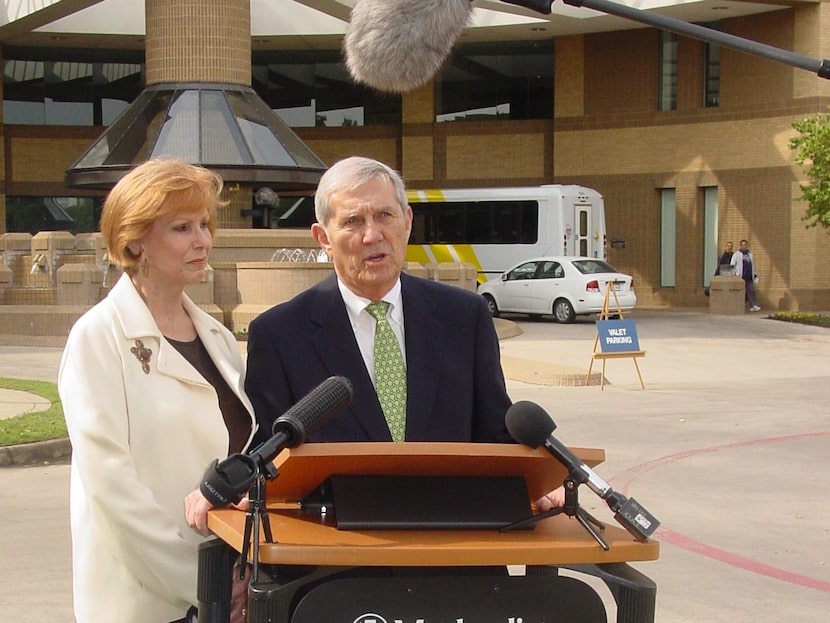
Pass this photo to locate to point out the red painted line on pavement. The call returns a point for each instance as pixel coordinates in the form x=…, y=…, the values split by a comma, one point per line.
x=714, y=553
x=739, y=561
x=629, y=475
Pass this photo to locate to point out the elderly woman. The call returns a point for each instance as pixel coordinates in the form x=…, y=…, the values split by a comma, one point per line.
x=152, y=391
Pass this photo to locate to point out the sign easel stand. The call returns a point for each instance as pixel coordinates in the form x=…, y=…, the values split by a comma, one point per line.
x=605, y=315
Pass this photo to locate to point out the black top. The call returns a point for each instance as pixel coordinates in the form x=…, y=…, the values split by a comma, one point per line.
x=725, y=259
x=236, y=416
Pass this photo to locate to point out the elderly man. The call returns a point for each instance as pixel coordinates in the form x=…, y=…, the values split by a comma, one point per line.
x=423, y=357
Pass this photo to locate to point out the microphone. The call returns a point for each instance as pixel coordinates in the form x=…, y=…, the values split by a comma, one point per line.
x=530, y=425
x=398, y=45
x=226, y=481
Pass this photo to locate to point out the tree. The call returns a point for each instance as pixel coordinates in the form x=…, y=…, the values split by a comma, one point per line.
x=812, y=147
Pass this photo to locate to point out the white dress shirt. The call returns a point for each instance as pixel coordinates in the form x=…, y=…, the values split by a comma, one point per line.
x=363, y=324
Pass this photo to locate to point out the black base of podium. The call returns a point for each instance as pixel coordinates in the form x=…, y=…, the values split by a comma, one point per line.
x=301, y=594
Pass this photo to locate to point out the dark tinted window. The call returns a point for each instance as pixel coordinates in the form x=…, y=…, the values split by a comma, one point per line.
x=33, y=214
x=91, y=87
x=310, y=88
x=475, y=222
x=497, y=80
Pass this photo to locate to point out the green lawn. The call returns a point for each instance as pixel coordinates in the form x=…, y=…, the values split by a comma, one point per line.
x=30, y=427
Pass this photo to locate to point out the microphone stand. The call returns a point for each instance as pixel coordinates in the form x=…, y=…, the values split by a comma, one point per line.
x=571, y=508
x=256, y=520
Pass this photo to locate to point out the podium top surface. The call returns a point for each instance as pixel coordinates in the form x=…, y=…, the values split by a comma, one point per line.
x=303, y=469
x=312, y=539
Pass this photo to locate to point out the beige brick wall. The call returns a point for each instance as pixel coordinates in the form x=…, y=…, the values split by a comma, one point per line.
x=417, y=157
x=621, y=71
x=36, y=159
x=747, y=78
x=477, y=157
x=569, y=76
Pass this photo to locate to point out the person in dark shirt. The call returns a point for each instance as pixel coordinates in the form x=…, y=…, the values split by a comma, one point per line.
x=725, y=258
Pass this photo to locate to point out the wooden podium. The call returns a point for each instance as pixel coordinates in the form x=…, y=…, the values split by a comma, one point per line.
x=317, y=572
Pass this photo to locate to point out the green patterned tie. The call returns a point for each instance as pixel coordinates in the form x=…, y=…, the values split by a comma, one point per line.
x=390, y=372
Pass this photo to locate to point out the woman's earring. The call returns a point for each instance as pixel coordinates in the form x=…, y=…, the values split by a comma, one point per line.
x=145, y=268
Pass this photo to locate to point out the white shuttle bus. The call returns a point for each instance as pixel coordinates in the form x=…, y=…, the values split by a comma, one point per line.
x=495, y=228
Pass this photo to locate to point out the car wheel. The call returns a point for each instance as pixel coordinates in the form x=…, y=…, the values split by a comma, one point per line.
x=563, y=311
x=491, y=305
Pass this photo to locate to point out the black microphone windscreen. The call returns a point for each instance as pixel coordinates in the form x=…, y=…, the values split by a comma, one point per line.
x=528, y=423
x=315, y=409
x=399, y=45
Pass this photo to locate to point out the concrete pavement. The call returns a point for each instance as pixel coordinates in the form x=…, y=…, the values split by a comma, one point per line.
x=14, y=402
x=727, y=446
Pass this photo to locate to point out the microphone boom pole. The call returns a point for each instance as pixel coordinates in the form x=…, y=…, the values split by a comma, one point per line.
x=820, y=67
x=708, y=35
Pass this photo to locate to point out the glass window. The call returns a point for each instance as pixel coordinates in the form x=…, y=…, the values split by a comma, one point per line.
x=525, y=271
x=551, y=270
x=711, y=72
x=500, y=80
x=292, y=213
x=668, y=71
x=469, y=222
x=92, y=89
x=668, y=237
x=710, y=233
x=306, y=88
x=593, y=267
x=33, y=214
x=314, y=88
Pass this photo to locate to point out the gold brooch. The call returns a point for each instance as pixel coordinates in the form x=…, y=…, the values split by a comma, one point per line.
x=142, y=354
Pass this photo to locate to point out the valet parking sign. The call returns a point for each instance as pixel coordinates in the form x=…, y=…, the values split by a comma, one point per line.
x=617, y=336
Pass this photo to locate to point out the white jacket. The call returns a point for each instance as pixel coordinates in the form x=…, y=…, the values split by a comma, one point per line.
x=141, y=443
x=738, y=262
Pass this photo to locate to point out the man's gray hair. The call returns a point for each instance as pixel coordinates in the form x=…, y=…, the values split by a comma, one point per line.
x=350, y=173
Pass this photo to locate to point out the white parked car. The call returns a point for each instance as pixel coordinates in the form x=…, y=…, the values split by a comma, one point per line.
x=563, y=286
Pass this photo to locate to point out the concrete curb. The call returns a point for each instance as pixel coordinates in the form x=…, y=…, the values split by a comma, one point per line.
x=38, y=453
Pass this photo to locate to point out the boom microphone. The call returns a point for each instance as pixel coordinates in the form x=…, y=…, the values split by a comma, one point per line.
x=227, y=481
x=530, y=425
x=398, y=45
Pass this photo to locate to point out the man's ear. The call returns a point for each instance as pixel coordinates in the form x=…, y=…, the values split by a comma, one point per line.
x=320, y=234
x=408, y=215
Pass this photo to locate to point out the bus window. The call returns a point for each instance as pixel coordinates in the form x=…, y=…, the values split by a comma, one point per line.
x=507, y=221
x=450, y=223
x=475, y=222
x=478, y=224
x=529, y=232
x=584, y=232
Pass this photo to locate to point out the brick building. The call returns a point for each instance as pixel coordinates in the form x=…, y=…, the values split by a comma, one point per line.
x=687, y=141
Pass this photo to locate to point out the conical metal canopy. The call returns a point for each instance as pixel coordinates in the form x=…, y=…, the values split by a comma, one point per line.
x=227, y=128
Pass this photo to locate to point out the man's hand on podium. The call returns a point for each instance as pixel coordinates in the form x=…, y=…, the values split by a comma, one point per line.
x=554, y=499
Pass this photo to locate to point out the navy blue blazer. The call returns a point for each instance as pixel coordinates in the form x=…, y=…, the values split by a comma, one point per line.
x=455, y=383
